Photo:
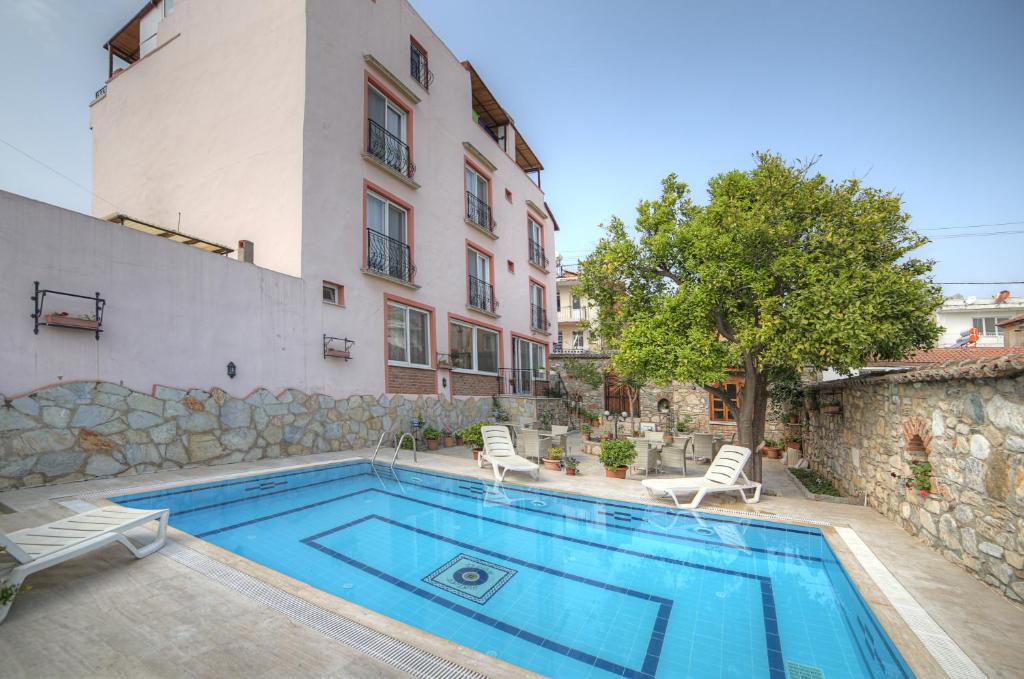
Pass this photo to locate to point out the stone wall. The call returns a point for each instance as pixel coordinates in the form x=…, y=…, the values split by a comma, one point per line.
x=83, y=430
x=864, y=432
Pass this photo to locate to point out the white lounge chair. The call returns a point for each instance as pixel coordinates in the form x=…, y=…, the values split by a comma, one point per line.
x=499, y=451
x=31, y=550
x=723, y=475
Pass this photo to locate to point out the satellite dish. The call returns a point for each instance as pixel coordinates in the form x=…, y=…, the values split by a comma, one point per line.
x=972, y=299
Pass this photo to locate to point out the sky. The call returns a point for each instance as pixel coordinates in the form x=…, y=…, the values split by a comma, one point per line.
x=922, y=98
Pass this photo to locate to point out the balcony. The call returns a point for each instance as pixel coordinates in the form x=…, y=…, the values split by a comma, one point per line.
x=388, y=257
x=537, y=256
x=538, y=318
x=391, y=151
x=571, y=315
x=481, y=296
x=478, y=213
x=418, y=67
x=526, y=382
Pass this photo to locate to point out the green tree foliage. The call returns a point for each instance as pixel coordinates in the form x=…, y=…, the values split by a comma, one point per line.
x=782, y=268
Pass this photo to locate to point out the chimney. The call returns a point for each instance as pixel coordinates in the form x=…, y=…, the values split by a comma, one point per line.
x=245, y=251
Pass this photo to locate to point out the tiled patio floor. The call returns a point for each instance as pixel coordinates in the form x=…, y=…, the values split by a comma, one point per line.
x=107, y=615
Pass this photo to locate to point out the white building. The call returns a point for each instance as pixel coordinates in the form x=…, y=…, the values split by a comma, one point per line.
x=960, y=314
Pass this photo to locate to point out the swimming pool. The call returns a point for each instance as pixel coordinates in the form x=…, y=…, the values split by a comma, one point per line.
x=563, y=585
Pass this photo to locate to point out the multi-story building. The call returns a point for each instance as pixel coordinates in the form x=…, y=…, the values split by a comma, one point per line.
x=342, y=143
x=574, y=313
x=959, y=314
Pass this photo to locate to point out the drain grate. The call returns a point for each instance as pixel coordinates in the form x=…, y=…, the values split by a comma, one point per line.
x=384, y=648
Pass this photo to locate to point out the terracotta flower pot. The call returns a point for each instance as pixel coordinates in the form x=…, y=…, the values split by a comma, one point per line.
x=668, y=438
x=553, y=465
x=619, y=473
x=449, y=442
x=476, y=453
x=570, y=472
x=795, y=445
x=772, y=453
x=432, y=444
x=585, y=437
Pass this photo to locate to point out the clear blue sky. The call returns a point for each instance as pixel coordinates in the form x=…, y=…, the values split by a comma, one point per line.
x=924, y=98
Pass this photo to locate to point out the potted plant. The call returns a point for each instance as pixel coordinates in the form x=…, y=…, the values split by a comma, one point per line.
x=431, y=435
x=683, y=424
x=772, y=449
x=585, y=430
x=616, y=456
x=794, y=441
x=554, y=459
x=473, y=438
x=571, y=465
x=449, y=440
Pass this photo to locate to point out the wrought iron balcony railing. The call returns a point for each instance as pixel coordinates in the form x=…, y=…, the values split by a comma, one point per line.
x=418, y=67
x=537, y=255
x=388, y=256
x=481, y=295
x=524, y=381
x=389, y=149
x=479, y=212
x=538, y=317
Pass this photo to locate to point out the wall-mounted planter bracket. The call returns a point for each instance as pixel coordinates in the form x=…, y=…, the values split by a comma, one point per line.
x=341, y=350
x=62, y=319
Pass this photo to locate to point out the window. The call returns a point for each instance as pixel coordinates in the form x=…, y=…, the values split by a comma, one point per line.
x=987, y=325
x=511, y=266
x=334, y=293
x=474, y=348
x=576, y=302
x=408, y=336
x=719, y=411
x=168, y=7
x=387, y=249
x=530, y=364
x=386, y=132
x=478, y=209
x=558, y=300
x=418, y=65
x=538, y=315
x=537, y=255
x=508, y=195
x=481, y=292
x=577, y=339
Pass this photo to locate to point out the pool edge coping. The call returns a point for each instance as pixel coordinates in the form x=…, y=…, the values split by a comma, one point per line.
x=917, y=650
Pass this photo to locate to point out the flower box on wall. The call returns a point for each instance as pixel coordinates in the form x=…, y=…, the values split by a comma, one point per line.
x=64, y=320
x=832, y=409
x=337, y=353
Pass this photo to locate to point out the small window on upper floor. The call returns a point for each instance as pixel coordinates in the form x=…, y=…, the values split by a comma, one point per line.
x=511, y=266
x=168, y=7
x=333, y=293
x=418, y=64
x=508, y=195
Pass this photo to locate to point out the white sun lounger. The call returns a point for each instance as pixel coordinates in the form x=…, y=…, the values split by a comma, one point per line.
x=31, y=550
x=499, y=451
x=723, y=475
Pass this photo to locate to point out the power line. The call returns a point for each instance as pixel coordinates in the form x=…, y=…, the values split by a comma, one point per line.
x=970, y=226
x=979, y=235
x=983, y=283
x=58, y=173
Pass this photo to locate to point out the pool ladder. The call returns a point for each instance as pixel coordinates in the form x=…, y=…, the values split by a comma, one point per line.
x=398, y=447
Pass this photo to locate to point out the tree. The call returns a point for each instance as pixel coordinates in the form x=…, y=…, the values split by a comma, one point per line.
x=781, y=269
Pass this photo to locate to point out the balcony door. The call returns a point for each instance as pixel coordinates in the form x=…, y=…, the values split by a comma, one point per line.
x=387, y=115
x=479, y=279
x=387, y=247
x=530, y=364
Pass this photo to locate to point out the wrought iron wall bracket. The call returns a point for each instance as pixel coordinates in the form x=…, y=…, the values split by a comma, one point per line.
x=38, y=298
x=344, y=351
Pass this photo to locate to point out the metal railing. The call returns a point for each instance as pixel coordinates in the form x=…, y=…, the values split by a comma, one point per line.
x=100, y=92
x=389, y=149
x=418, y=67
x=479, y=212
x=538, y=317
x=388, y=256
x=537, y=255
x=523, y=381
x=569, y=314
x=481, y=295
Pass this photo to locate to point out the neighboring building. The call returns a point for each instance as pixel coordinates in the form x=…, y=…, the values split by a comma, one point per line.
x=343, y=144
x=959, y=314
x=1013, y=331
x=575, y=312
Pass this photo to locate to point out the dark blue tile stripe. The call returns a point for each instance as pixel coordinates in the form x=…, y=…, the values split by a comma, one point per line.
x=286, y=512
x=670, y=536
x=773, y=642
x=651, y=658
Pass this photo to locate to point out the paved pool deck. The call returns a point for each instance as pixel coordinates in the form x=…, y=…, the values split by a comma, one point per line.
x=108, y=615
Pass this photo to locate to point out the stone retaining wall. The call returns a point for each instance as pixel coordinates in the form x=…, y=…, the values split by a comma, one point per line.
x=969, y=417
x=96, y=429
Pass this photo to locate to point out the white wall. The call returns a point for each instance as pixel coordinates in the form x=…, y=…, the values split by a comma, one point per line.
x=174, y=316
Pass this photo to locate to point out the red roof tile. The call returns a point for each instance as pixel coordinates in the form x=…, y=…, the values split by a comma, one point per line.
x=941, y=354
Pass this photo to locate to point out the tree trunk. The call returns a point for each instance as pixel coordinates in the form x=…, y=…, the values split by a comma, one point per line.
x=751, y=420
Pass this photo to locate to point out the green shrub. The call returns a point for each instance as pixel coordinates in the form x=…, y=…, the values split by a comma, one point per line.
x=794, y=438
x=683, y=424
x=555, y=453
x=772, y=443
x=471, y=435
x=586, y=428
x=814, y=482
x=617, y=453
x=431, y=434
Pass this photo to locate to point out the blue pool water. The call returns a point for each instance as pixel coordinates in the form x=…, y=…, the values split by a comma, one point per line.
x=564, y=585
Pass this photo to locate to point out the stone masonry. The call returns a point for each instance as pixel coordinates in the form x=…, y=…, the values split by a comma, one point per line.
x=84, y=430
x=968, y=417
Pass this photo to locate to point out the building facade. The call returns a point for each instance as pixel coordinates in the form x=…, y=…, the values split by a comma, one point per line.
x=959, y=314
x=573, y=312
x=345, y=145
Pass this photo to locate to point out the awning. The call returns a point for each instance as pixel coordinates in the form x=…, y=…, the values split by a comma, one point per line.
x=493, y=115
x=176, y=236
x=125, y=43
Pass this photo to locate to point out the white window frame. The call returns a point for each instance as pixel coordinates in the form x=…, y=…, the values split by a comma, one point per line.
x=996, y=330
x=475, y=187
x=408, y=337
x=337, y=293
x=578, y=339
x=391, y=105
x=475, y=370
